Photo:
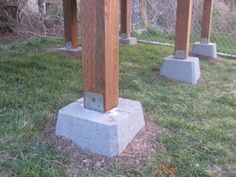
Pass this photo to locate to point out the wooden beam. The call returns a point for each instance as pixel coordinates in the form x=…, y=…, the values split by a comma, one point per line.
x=70, y=23
x=100, y=56
x=183, y=28
x=125, y=8
x=206, y=21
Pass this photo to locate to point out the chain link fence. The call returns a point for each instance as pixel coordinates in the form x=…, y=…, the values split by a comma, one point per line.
x=156, y=19
x=152, y=21
x=20, y=19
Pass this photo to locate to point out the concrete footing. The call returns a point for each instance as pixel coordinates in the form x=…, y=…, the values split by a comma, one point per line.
x=206, y=50
x=185, y=70
x=107, y=134
x=128, y=40
x=64, y=49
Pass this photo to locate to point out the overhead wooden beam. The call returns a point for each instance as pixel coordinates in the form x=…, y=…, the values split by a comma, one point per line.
x=100, y=56
x=70, y=24
x=183, y=28
x=125, y=17
x=206, y=21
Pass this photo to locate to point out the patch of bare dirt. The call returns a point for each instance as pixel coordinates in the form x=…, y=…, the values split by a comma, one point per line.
x=3, y=170
x=132, y=160
x=56, y=50
x=202, y=80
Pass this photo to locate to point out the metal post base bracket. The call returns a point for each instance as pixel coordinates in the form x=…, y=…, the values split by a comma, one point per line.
x=94, y=101
x=68, y=45
x=204, y=41
x=180, y=54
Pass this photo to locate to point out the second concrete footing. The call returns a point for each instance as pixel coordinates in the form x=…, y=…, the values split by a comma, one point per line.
x=205, y=50
x=185, y=70
x=107, y=134
x=128, y=40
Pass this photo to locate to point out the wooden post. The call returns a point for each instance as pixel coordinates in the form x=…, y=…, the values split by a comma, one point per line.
x=100, y=56
x=125, y=8
x=183, y=28
x=70, y=24
x=206, y=21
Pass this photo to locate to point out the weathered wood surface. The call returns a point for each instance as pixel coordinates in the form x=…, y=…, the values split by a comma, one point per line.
x=206, y=21
x=183, y=28
x=100, y=33
x=70, y=23
x=125, y=17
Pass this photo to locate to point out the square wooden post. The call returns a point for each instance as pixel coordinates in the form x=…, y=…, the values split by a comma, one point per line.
x=125, y=17
x=183, y=28
x=100, y=33
x=70, y=24
x=206, y=21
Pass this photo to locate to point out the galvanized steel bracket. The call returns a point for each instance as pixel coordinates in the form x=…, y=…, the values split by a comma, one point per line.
x=180, y=54
x=94, y=101
x=204, y=41
x=68, y=45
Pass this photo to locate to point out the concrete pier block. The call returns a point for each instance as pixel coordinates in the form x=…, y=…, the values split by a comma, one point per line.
x=185, y=70
x=64, y=49
x=128, y=40
x=107, y=134
x=205, y=49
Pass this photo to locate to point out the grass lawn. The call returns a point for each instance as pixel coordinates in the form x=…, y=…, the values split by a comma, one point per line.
x=34, y=84
x=225, y=43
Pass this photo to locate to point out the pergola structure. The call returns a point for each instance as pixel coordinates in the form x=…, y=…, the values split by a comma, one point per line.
x=101, y=122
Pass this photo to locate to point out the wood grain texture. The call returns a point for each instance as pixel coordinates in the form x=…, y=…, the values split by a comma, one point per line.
x=125, y=17
x=100, y=55
x=183, y=26
x=70, y=22
x=207, y=20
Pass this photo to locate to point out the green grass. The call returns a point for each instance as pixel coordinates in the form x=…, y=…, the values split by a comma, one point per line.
x=34, y=84
x=225, y=43
x=152, y=34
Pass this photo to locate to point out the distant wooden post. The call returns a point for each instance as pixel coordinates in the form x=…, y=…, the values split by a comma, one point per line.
x=206, y=21
x=183, y=28
x=70, y=24
x=100, y=34
x=125, y=9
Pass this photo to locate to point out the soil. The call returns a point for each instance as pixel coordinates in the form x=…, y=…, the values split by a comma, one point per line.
x=144, y=147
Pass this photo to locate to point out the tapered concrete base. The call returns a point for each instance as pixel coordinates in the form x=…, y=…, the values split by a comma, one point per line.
x=206, y=50
x=106, y=134
x=185, y=70
x=64, y=49
x=128, y=40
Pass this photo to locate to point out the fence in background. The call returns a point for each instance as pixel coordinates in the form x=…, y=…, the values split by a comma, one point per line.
x=152, y=21
x=156, y=23
x=20, y=19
